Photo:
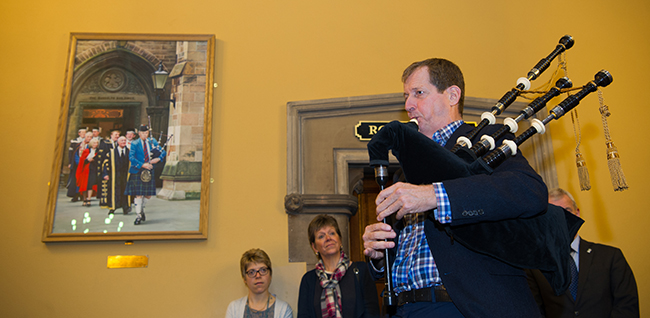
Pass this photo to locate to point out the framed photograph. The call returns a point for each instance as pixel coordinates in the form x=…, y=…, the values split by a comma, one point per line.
x=132, y=153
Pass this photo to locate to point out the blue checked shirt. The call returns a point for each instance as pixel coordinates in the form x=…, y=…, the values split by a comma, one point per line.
x=414, y=267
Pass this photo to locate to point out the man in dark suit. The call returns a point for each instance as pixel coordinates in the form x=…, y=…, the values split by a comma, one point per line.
x=605, y=286
x=114, y=172
x=434, y=276
x=105, y=146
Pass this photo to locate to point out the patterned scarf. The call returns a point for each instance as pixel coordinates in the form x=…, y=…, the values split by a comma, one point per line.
x=330, y=299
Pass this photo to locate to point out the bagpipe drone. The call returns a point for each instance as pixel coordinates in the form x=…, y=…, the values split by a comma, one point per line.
x=157, y=151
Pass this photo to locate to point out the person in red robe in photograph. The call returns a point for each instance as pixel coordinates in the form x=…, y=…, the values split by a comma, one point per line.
x=87, y=172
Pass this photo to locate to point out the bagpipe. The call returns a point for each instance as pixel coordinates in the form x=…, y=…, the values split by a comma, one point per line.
x=157, y=151
x=523, y=83
x=540, y=242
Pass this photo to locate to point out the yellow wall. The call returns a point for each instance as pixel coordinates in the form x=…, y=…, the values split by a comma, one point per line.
x=269, y=53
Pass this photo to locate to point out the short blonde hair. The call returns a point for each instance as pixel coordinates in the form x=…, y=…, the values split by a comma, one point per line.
x=254, y=255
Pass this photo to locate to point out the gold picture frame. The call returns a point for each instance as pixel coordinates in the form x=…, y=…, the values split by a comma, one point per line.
x=109, y=87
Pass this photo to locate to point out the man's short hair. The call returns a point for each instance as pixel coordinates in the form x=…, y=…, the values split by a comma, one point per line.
x=558, y=193
x=442, y=74
x=254, y=255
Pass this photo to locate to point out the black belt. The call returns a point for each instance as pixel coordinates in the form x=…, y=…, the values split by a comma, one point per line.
x=429, y=294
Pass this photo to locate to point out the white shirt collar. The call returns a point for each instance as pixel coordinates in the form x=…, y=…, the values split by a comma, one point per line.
x=575, y=245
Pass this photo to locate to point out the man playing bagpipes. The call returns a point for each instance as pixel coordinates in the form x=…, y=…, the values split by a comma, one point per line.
x=435, y=273
x=144, y=154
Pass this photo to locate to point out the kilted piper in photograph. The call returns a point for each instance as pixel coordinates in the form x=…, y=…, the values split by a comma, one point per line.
x=145, y=153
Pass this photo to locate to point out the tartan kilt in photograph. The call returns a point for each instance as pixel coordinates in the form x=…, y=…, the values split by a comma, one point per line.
x=135, y=186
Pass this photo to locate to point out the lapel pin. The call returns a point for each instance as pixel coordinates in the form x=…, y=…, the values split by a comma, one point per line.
x=589, y=250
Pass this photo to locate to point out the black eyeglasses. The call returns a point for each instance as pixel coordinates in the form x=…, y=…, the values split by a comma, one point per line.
x=263, y=272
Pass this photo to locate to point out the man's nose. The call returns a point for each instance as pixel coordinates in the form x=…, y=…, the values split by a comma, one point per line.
x=409, y=105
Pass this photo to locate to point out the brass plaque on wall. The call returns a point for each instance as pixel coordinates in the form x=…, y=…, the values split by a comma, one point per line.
x=127, y=261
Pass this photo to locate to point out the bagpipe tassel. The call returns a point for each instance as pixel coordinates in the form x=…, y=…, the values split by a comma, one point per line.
x=583, y=173
x=613, y=159
x=615, y=169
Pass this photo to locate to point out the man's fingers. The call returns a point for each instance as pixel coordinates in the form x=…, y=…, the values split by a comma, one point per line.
x=373, y=253
x=378, y=231
x=373, y=239
x=375, y=249
x=388, y=211
x=379, y=245
x=390, y=200
x=406, y=198
x=386, y=194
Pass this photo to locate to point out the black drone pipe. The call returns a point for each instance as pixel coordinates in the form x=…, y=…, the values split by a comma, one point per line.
x=539, y=103
x=487, y=142
x=565, y=43
x=507, y=149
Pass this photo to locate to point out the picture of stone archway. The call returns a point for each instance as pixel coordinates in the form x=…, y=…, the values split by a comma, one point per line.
x=109, y=90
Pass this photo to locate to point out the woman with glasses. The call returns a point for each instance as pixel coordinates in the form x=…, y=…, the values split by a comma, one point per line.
x=256, y=271
x=336, y=287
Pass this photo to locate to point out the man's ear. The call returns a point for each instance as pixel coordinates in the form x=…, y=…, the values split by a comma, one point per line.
x=453, y=93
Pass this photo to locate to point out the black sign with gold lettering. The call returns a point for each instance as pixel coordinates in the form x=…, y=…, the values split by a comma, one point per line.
x=364, y=130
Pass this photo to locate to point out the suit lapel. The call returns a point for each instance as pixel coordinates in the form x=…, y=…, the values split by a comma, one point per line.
x=586, y=258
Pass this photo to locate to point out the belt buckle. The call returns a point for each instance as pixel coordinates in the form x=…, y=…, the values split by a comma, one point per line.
x=414, y=296
x=440, y=294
